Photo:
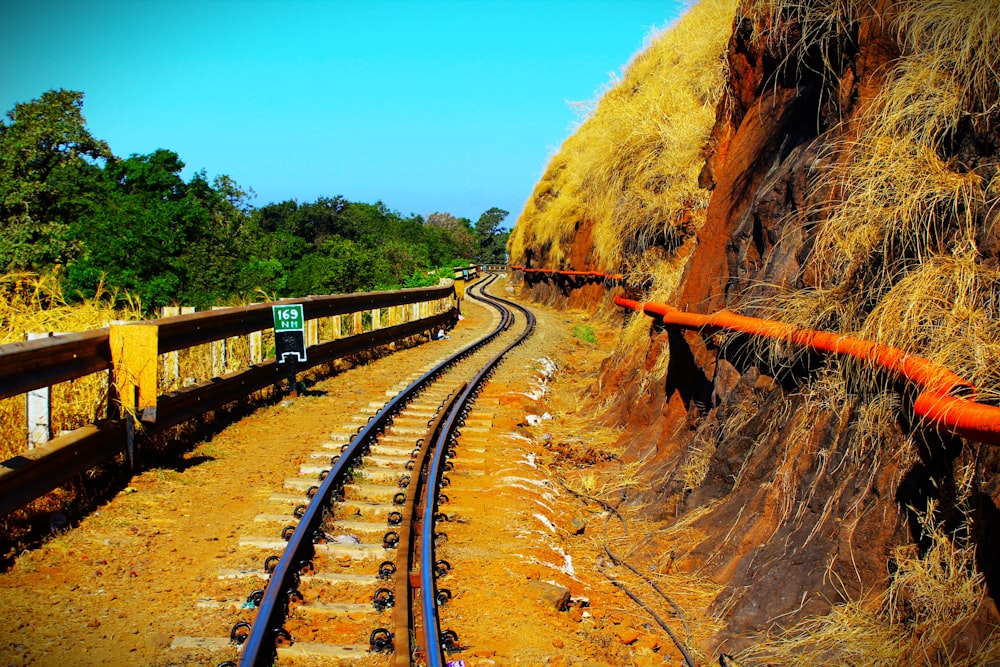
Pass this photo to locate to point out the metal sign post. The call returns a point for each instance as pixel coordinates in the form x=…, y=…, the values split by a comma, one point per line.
x=289, y=339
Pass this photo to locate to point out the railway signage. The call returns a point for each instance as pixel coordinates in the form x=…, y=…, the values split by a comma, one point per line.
x=289, y=333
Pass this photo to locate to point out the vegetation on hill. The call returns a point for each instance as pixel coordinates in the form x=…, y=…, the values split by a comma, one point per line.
x=70, y=208
x=835, y=165
x=631, y=168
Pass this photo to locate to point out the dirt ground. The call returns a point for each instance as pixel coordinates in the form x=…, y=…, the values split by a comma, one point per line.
x=144, y=568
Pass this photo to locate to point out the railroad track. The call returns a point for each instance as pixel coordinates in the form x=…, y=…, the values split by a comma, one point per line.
x=367, y=516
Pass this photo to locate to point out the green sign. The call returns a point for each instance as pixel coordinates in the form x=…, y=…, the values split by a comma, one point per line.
x=289, y=334
x=288, y=318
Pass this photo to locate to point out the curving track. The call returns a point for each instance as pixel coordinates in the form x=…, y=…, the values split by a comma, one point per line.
x=362, y=536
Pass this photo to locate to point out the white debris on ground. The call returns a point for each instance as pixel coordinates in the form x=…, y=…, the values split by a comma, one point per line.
x=536, y=420
x=545, y=521
x=567, y=562
x=540, y=382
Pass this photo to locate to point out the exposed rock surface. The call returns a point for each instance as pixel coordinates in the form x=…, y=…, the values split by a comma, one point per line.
x=796, y=520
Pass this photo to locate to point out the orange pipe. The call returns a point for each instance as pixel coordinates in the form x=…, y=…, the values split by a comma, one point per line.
x=944, y=402
x=938, y=405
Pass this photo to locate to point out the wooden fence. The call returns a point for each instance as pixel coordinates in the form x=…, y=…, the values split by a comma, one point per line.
x=133, y=355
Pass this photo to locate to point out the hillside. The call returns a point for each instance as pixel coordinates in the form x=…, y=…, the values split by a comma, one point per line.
x=833, y=165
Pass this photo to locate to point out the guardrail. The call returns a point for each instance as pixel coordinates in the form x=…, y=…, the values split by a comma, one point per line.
x=130, y=353
x=944, y=402
x=495, y=268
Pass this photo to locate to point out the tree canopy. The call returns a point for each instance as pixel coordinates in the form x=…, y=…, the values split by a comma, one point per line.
x=134, y=225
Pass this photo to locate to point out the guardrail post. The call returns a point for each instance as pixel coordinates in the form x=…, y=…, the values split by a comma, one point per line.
x=134, y=357
x=134, y=349
x=356, y=327
x=256, y=340
x=312, y=332
x=38, y=408
x=220, y=353
x=376, y=318
x=172, y=366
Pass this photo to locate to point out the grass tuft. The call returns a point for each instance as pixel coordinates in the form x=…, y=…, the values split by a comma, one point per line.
x=31, y=303
x=928, y=602
x=631, y=169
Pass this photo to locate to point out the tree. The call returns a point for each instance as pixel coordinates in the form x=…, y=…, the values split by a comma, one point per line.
x=456, y=235
x=492, y=239
x=136, y=240
x=214, y=249
x=47, y=170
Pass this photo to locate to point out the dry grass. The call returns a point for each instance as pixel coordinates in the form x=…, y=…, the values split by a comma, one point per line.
x=36, y=304
x=807, y=36
x=930, y=599
x=904, y=255
x=632, y=166
x=898, y=260
x=897, y=257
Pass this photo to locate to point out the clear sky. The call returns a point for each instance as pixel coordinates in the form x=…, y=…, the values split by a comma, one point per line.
x=425, y=105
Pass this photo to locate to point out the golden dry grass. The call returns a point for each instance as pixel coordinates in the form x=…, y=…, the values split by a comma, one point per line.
x=632, y=166
x=897, y=257
x=36, y=304
x=898, y=260
x=905, y=218
x=929, y=600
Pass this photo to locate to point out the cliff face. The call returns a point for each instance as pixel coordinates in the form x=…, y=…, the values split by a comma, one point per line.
x=851, y=185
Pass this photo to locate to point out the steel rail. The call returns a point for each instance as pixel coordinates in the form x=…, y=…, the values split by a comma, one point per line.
x=403, y=608
x=434, y=642
x=259, y=648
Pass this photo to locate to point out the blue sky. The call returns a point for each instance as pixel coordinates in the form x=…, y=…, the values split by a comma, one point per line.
x=426, y=106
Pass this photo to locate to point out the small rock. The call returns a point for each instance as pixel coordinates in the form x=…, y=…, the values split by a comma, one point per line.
x=157, y=639
x=93, y=623
x=627, y=636
x=484, y=653
x=558, y=643
x=552, y=594
x=577, y=526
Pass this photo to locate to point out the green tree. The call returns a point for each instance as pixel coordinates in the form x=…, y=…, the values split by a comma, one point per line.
x=456, y=236
x=216, y=255
x=48, y=175
x=137, y=239
x=491, y=237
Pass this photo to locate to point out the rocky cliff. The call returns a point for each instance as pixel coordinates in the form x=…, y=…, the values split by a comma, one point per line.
x=849, y=182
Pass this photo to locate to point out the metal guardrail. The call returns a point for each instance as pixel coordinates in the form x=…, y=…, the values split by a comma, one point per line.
x=40, y=363
x=494, y=268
